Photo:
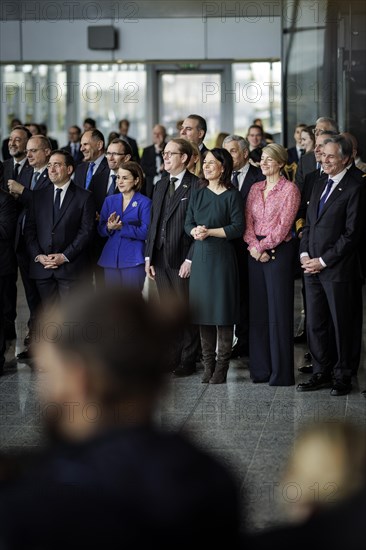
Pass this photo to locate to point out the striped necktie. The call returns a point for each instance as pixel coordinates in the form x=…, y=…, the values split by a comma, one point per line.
x=89, y=175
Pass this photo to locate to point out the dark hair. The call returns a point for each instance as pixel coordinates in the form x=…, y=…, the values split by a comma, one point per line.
x=96, y=135
x=135, y=169
x=344, y=145
x=76, y=128
x=226, y=160
x=257, y=127
x=69, y=160
x=90, y=121
x=126, y=145
x=184, y=147
x=121, y=339
x=124, y=121
x=36, y=125
x=202, y=124
x=23, y=129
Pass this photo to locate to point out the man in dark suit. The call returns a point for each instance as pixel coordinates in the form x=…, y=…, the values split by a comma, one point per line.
x=152, y=162
x=243, y=177
x=194, y=128
x=124, y=125
x=307, y=163
x=59, y=229
x=73, y=147
x=5, y=144
x=255, y=138
x=168, y=248
x=95, y=164
x=34, y=178
x=113, y=475
x=8, y=265
x=330, y=258
x=296, y=152
x=15, y=168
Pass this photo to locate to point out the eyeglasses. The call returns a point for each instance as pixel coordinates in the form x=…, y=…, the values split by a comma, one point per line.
x=55, y=165
x=35, y=150
x=168, y=154
x=109, y=154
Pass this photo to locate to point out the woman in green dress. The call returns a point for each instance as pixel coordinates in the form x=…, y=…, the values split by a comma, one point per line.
x=215, y=217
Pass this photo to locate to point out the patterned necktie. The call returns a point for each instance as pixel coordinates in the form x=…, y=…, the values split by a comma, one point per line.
x=35, y=178
x=172, y=186
x=16, y=171
x=235, y=180
x=89, y=175
x=57, y=205
x=325, y=196
x=112, y=186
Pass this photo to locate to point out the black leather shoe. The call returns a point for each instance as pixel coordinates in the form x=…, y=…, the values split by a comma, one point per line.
x=316, y=382
x=239, y=351
x=307, y=356
x=300, y=338
x=184, y=370
x=341, y=388
x=306, y=369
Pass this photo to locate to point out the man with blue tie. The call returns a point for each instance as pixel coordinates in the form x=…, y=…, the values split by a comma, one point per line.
x=59, y=229
x=329, y=252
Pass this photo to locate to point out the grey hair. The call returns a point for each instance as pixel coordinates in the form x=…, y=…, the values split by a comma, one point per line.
x=330, y=121
x=243, y=143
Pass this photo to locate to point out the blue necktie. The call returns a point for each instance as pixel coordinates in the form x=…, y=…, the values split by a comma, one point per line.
x=235, y=180
x=325, y=196
x=57, y=205
x=35, y=178
x=89, y=175
x=112, y=186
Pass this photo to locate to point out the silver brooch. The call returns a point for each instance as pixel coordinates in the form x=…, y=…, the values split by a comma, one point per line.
x=134, y=204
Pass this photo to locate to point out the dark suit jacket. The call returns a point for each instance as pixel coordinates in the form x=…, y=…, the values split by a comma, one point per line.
x=8, y=218
x=148, y=165
x=99, y=182
x=253, y=175
x=256, y=154
x=178, y=245
x=138, y=485
x=310, y=180
x=357, y=174
x=5, y=149
x=25, y=199
x=1, y=175
x=80, y=157
x=306, y=164
x=204, y=149
x=292, y=155
x=335, y=234
x=70, y=235
x=24, y=177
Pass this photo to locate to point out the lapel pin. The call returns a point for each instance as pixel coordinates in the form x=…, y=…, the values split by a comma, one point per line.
x=185, y=186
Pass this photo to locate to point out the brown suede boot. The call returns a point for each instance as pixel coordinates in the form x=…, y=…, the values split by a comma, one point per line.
x=225, y=341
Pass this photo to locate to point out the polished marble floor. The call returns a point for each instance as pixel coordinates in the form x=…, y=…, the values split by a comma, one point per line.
x=250, y=427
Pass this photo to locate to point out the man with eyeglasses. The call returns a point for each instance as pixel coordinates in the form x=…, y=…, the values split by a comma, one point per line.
x=307, y=162
x=59, y=229
x=38, y=153
x=168, y=247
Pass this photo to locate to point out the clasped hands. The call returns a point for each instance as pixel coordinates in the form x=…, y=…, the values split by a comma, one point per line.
x=51, y=261
x=259, y=256
x=200, y=233
x=114, y=222
x=15, y=188
x=311, y=266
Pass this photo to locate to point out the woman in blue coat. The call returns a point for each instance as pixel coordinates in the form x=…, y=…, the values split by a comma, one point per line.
x=125, y=219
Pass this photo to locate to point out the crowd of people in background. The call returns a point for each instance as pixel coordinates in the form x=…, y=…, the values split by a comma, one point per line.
x=220, y=231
